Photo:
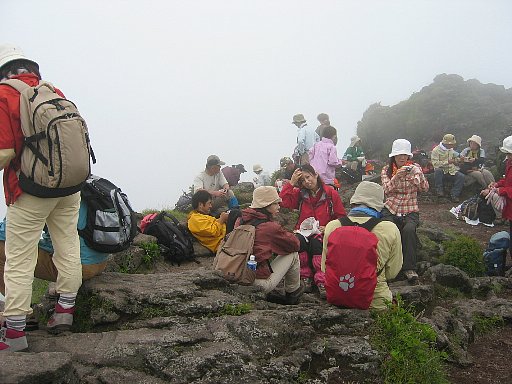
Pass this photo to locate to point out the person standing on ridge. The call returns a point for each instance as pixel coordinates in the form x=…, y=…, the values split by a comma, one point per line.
x=306, y=138
x=324, y=121
x=27, y=215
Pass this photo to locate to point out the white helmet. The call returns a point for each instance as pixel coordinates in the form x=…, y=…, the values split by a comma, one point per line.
x=9, y=52
x=401, y=147
x=507, y=145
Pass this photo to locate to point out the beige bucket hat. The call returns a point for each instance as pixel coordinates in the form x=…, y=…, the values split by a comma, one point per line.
x=477, y=139
x=369, y=194
x=264, y=196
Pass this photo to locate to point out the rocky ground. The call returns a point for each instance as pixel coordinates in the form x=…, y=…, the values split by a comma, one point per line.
x=185, y=324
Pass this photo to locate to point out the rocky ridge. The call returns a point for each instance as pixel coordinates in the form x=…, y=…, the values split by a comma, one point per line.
x=185, y=324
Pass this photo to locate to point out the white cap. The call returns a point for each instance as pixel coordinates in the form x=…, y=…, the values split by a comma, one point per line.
x=9, y=52
x=401, y=147
x=507, y=145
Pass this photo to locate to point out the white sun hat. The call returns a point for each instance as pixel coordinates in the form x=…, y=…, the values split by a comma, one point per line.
x=9, y=52
x=507, y=145
x=401, y=147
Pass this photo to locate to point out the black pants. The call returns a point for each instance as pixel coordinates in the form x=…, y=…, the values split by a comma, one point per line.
x=407, y=226
x=234, y=214
x=312, y=245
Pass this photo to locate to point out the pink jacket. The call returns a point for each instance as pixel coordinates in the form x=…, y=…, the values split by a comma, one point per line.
x=324, y=158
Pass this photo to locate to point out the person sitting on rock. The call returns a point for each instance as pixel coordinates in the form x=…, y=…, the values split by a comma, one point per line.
x=262, y=178
x=284, y=174
x=354, y=158
x=323, y=119
x=324, y=157
x=503, y=187
x=473, y=160
x=232, y=174
x=445, y=161
x=208, y=230
x=402, y=180
x=273, y=239
x=213, y=181
x=367, y=202
x=315, y=201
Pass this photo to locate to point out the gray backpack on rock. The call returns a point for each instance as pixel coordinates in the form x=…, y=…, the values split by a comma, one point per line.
x=55, y=161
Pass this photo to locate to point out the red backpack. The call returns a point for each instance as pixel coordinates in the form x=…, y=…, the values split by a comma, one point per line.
x=351, y=263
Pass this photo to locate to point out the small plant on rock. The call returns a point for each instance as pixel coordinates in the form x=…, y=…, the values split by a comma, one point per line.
x=464, y=253
x=407, y=347
x=151, y=252
x=483, y=325
x=236, y=309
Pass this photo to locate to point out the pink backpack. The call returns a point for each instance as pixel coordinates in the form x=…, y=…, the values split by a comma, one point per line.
x=146, y=220
x=351, y=263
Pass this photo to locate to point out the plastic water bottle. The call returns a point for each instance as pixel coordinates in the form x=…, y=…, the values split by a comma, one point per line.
x=252, y=264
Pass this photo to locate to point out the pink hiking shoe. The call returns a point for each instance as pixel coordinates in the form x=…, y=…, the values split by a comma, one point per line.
x=61, y=320
x=13, y=341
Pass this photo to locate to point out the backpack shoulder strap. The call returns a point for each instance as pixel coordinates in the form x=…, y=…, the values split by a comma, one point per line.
x=254, y=222
x=17, y=84
x=168, y=215
x=368, y=225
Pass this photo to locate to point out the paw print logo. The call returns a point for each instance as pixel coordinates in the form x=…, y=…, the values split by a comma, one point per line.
x=347, y=282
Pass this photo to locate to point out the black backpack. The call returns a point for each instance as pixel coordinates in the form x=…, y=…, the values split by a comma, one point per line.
x=469, y=208
x=111, y=224
x=486, y=212
x=174, y=239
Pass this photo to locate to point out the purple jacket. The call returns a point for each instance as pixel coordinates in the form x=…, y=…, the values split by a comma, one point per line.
x=232, y=175
x=324, y=158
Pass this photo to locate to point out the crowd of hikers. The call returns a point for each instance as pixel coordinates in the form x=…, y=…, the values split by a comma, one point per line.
x=306, y=183
x=348, y=257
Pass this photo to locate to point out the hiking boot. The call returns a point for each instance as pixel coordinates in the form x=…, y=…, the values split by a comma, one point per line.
x=276, y=297
x=307, y=282
x=61, y=320
x=322, y=292
x=292, y=298
x=13, y=341
x=411, y=276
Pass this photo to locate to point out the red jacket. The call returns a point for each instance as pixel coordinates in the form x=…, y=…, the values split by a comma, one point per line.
x=270, y=239
x=324, y=207
x=505, y=189
x=11, y=136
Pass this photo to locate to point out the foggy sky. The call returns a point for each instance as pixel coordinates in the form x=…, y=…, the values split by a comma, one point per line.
x=164, y=84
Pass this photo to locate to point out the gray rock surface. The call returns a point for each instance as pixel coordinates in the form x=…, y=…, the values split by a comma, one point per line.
x=188, y=325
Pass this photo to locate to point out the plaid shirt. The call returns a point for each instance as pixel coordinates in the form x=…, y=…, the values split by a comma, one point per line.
x=402, y=192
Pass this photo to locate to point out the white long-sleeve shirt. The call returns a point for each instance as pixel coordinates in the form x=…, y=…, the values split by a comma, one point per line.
x=306, y=138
